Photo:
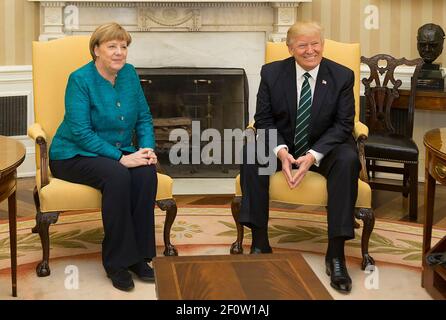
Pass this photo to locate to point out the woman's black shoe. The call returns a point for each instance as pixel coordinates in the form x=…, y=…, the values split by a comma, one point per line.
x=143, y=271
x=121, y=280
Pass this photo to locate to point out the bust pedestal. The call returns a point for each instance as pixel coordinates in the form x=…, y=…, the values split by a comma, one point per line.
x=431, y=77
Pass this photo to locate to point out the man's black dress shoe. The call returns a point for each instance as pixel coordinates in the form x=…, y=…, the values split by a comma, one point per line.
x=121, y=279
x=255, y=250
x=339, y=278
x=143, y=271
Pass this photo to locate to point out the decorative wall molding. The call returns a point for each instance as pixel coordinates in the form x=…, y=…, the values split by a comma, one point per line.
x=272, y=17
x=52, y=4
x=182, y=4
x=152, y=19
x=285, y=15
x=151, y=3
x=290, y=4
x=127, y=3
x=15, y=74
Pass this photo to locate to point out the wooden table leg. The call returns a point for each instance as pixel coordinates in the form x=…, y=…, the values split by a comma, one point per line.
x=429, y=197
x=12, y=209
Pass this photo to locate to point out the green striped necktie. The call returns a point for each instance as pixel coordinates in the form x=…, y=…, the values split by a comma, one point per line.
x=303, y=118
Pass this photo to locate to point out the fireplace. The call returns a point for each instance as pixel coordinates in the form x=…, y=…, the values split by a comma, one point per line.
x=196, y=100
x=192, y=34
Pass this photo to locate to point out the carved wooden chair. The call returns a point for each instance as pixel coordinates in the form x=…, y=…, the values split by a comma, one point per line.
x=312, y=190
x=390, y=138
x=53, y=61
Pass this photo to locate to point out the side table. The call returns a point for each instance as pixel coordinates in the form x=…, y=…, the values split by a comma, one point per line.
x=12, y=154
x=434, y=277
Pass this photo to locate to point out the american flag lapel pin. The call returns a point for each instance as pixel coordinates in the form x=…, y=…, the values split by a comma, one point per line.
x=324, y=82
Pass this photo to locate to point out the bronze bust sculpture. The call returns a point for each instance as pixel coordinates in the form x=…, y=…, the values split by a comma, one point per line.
x=430, y=41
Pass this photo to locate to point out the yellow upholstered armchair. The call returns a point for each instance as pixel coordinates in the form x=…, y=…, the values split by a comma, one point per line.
x=53, y=62
x=312, y=190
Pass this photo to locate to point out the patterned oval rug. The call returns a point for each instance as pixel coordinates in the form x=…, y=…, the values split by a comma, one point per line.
x=81, y=233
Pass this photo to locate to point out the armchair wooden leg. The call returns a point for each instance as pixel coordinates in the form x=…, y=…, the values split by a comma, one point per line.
x=43, y=221
x=368, y=218
x=170, y=206
x=237, y=246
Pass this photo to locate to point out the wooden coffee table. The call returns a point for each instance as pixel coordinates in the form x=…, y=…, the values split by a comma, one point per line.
x=276, y=276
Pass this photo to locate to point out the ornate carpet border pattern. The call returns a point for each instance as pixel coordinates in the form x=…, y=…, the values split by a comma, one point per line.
x=73, y=234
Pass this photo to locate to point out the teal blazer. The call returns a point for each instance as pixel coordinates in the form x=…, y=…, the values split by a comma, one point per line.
x=100, y=119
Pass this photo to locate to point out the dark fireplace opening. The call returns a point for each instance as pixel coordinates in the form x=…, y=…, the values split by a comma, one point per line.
x=199, y=98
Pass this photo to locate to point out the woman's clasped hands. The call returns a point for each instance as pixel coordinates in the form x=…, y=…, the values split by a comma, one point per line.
x=142, y=157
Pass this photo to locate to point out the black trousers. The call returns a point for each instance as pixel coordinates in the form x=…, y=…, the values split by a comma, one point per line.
x=128, y=202
x=341, y=169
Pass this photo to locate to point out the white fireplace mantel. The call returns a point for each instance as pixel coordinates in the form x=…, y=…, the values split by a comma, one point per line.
x=61, y=18
x=222, y=34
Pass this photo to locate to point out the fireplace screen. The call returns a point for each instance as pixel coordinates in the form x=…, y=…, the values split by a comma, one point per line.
x=209, y=106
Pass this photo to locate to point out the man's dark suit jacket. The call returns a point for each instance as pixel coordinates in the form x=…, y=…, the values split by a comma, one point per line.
x=332, y=111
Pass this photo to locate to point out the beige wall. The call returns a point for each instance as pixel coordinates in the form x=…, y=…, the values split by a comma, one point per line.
x=19, y=26
x=399, y=20
x=343, y=20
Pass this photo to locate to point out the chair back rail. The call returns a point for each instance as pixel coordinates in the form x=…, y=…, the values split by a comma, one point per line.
x=381, y=90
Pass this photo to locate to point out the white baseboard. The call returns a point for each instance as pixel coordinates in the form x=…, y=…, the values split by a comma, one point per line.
x=196, y=186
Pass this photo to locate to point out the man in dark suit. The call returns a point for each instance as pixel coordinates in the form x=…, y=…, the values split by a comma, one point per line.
x=308, y=101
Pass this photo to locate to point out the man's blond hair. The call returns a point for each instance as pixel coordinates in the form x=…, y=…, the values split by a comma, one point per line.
x=304, y=28
x=108, y=32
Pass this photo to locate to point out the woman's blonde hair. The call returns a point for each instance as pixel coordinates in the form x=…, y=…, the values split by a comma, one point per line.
x=304, y=28
x=108, y=32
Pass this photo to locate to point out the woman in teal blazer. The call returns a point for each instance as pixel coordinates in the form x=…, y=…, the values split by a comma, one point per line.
x=104, y=108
